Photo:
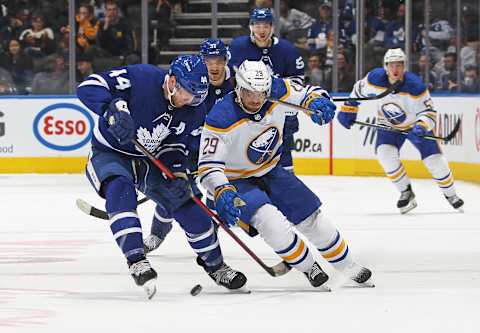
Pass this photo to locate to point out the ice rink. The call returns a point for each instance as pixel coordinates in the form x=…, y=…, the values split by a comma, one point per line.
x=61, y=271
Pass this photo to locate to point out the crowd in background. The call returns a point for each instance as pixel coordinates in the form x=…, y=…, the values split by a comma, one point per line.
x=34, y=39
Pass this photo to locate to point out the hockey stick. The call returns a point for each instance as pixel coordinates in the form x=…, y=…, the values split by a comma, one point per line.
x=447, y=138
x=96, y=212
x=368, y=98
x=277, y=270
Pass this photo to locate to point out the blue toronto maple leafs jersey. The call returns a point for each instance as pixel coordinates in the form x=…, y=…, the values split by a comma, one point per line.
x=282, y=57
x=216, y=94
x=164, y=131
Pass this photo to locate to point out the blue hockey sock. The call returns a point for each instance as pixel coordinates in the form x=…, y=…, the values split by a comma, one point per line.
x=121, y=204
x=162, y=222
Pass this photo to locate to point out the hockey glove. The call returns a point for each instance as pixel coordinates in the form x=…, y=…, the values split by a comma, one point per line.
x=324, y=110
x=120, y=122
x=416, y=133
x=348, y=114
x=179, y=187
x=228, y=204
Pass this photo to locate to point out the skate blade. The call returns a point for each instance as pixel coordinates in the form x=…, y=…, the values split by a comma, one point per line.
x=242, y=290
x=411, y=205
x=460, y=210
x=150, y=288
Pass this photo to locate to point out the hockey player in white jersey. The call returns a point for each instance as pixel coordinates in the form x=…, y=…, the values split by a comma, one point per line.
x=240, y=149
x=408, y=108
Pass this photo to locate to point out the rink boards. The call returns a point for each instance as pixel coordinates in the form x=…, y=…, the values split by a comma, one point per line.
x=51, y=134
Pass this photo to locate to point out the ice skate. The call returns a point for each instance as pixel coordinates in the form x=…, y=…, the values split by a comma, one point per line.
x=151, y=243
x=456, y=202
x=144, y=276
x=407, y=201
x=316, y=276
x=359, y=274
x=226, y=276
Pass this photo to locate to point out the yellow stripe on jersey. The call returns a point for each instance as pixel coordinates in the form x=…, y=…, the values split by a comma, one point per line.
x=246, y=173
x=334, y=253
x=228, y=129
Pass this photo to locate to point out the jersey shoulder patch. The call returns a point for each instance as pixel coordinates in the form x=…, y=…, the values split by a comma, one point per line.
x=378, y=77
x=224, y=114
x=413, y=84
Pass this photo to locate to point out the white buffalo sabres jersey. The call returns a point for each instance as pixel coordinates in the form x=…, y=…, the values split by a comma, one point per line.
x=235, y=144
x=411, y=101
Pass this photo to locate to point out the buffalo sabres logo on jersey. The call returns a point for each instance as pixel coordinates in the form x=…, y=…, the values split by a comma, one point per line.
x=261, y=148
x=151, y=141
x=393, y=113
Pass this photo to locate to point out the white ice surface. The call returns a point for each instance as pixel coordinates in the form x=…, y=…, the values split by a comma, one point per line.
x=61, y=271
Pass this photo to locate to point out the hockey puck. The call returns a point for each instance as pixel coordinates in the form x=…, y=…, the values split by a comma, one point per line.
x=196, y=290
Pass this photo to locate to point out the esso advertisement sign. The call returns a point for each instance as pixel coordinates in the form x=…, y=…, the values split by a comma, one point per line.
x=63, y=126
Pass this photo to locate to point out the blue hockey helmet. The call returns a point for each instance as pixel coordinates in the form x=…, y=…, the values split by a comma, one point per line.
x=261, y=15
x=214, y=48
x=191, y=74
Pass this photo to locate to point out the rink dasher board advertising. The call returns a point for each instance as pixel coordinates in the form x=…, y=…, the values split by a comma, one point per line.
x=52, y=134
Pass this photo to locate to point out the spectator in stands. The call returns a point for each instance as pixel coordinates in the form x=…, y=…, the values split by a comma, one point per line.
x=346, y=73
x=163, y=12
x=471, y=81
x=115, y=35
x=38, y=41
x=19, y=65
x=375, y=29
x=300, y=41
x=319, y=30
x=448, y=77
x=11, y=27
x=468, y=53
x=54, y=81
x=395, y=31
x=87, y=29
x=423, y=63
x=7, y=87
x=292, y=19
x=84, y=67
x=317, y=73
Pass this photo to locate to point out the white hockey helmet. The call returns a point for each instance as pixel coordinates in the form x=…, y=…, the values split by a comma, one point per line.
x=253, y=76
x=393, y=55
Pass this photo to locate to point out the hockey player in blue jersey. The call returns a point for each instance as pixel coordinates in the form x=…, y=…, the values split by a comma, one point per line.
x=280, y=56
x=161, y=110
x=240, y=150
x=215, y=55
x=408, y=108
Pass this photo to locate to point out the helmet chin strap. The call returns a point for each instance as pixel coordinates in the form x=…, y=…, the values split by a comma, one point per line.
x=170, y=94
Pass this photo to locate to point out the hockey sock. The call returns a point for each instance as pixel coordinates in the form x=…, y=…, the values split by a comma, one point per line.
x=278, y=233
x=389, y=158
x=121, y=205
x=201, y=235
x=322, y=233
x=162, y=222
x=438, y=166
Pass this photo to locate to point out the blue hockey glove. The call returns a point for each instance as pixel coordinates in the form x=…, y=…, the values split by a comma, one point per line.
x=228, y=204
x=324, y=110
x=348, y=114
x=121, y=124
x=416, y=133
x=179, y=187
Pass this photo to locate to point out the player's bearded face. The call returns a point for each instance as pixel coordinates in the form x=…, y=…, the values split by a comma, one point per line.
x=216, y=68
x=262, y=32
x=252, y=100
x=395, y=71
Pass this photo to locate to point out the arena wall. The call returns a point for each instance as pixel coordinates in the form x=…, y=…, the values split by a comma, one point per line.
x=51, y=134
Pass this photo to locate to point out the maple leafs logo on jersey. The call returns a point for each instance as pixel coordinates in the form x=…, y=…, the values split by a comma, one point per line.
x=151, y=141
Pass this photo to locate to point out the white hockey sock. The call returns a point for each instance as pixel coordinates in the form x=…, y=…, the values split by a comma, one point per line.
x=322, y=233
x=389, y=158
x=279, y=234
x=438, y=166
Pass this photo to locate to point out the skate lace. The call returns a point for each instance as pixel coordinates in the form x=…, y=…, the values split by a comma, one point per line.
x=315, y=271
x=152, y=242
x=405, y=195
x=140, y=267
x=224, y=274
